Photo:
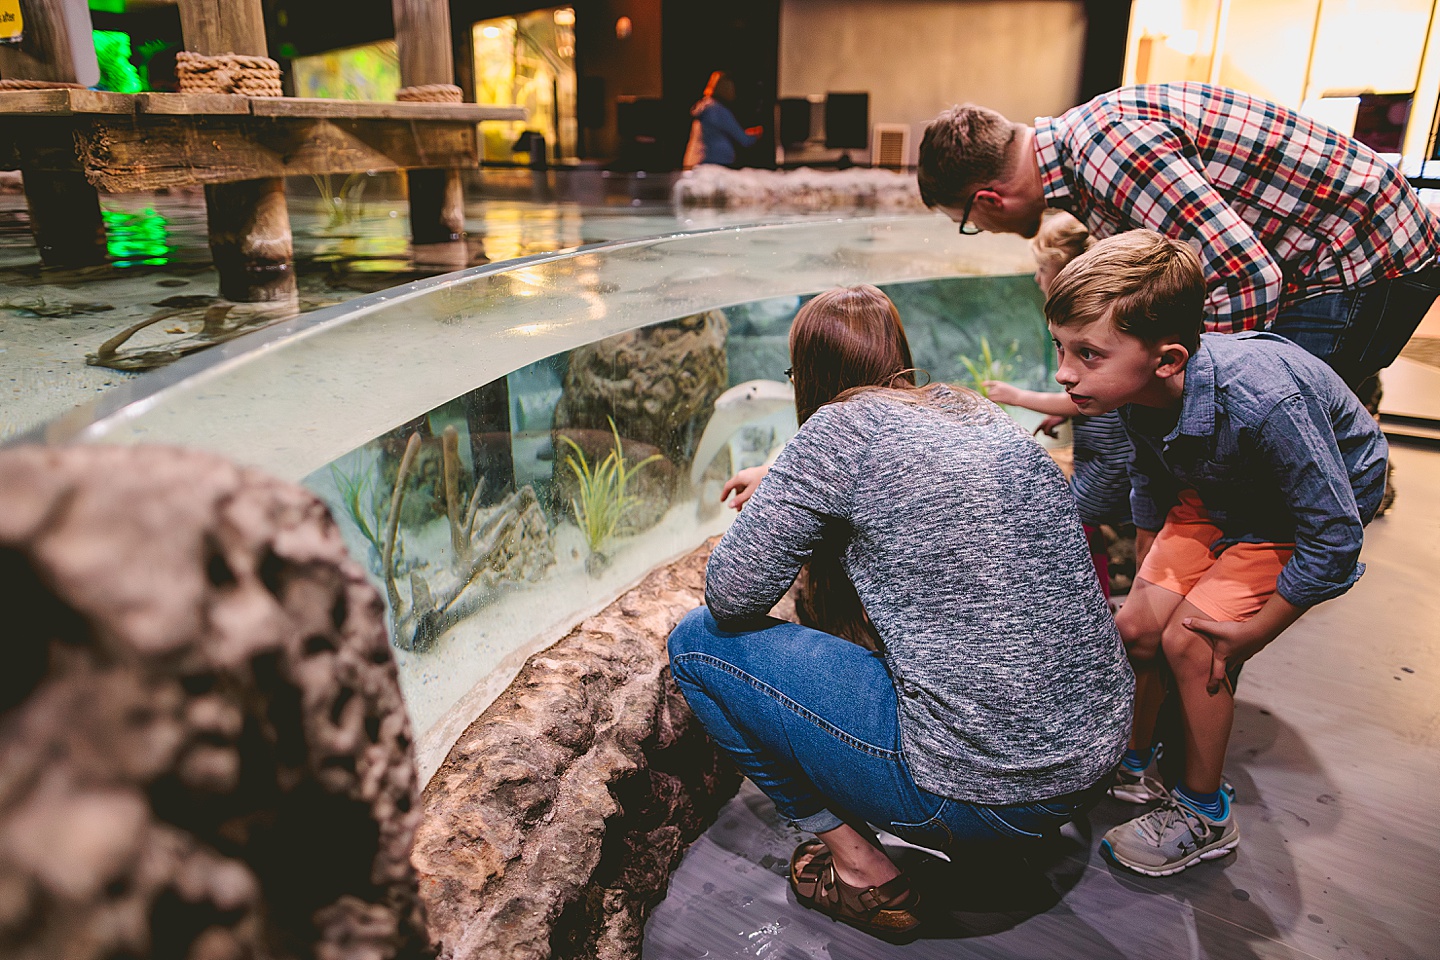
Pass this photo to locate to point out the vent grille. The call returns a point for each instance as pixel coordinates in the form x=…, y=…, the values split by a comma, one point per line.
x=892, y=145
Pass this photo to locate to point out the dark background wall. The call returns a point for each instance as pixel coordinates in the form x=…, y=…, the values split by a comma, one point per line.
x=612, y=67
x=635, y=92
x=741, y=37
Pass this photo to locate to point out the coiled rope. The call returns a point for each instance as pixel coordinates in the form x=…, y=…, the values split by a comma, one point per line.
x=234, y=73
x=431, y=93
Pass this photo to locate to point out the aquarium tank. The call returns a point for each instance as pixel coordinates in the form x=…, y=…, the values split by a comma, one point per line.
x=508, y=449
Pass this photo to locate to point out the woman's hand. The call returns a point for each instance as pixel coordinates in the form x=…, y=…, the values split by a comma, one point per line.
x=743, y=485
x=1002, y=392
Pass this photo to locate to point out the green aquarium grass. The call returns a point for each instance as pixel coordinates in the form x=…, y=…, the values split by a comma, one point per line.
x=603, y=499
x=989, y=366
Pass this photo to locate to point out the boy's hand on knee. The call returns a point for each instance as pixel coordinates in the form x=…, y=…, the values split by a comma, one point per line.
x=1050, y=425
x=1234, y=643
x=1231, y=645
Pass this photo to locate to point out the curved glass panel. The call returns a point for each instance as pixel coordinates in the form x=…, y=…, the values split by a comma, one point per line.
x=509, y=448
x=296, y=396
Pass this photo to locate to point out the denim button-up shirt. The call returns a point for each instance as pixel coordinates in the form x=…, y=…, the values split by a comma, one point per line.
x=1278, y=449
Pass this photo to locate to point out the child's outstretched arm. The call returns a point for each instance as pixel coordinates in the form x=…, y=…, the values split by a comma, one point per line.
x=1056, y=404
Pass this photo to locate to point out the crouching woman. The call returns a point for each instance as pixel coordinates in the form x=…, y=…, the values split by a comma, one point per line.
x=1000, y=700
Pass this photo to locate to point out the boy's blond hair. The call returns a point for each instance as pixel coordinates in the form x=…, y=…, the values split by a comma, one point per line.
x=1060, y=239
x=963, y=148
x=1146, y=284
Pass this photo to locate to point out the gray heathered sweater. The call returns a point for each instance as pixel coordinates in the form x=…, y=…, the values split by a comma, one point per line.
x=963, y=543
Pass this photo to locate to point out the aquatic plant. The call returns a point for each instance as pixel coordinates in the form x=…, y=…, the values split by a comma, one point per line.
x=363, y=502
x=603, y=498
x=346, y=204
x=990, y=367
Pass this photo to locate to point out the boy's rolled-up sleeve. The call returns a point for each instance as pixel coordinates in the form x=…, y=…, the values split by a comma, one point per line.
x=1299, y=445
x=806, y=492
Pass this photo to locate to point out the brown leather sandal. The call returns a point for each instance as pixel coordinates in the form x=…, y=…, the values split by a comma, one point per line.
x=818, y=887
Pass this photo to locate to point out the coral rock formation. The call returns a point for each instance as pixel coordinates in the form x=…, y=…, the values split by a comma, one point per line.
x=659, y=383
x=552, y=827
x=804, y=189
x=203, y=750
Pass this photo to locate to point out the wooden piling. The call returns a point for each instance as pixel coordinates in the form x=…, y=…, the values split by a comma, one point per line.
x=65, y=218
x=250, y=239
x=437, y=197
x=64, y=207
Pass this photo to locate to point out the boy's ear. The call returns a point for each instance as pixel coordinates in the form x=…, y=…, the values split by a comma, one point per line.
x=1172, y=358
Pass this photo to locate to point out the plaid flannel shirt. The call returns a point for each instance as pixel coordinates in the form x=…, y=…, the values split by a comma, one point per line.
x=1279, y=207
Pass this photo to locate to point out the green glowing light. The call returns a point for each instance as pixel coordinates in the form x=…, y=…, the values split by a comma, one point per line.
x=137, y=239
x=108, y=6
x=117, y=73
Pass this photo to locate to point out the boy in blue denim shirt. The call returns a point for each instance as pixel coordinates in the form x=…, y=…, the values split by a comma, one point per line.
x=1255, y=471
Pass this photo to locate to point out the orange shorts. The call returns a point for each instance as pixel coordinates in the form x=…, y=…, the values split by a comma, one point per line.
x=1234, y=585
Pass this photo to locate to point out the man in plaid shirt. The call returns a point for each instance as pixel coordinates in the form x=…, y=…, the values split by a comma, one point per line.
x=1302, y=230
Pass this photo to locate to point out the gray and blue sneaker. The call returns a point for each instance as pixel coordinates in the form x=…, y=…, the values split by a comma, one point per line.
x=1136, y=786
x=1170, y=838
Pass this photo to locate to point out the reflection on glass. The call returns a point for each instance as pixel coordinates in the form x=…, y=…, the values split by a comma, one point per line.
x=137, y=239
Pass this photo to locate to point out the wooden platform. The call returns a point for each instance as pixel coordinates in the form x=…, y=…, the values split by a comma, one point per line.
x=130, y=142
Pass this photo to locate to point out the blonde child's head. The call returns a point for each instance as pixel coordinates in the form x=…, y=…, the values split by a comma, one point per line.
x=1060, y=239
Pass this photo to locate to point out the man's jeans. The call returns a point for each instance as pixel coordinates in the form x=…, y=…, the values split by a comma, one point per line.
x=812, y=720
x=1360, y=332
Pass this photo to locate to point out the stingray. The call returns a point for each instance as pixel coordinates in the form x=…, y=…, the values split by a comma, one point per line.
x=745, y=404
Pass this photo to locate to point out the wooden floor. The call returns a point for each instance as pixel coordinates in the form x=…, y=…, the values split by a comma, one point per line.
x=1336, y=761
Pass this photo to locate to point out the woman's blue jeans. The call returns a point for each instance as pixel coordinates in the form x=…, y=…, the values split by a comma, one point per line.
x=812, y=720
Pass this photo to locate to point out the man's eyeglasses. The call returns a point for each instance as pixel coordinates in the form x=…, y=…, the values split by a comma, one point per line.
x=967, y=228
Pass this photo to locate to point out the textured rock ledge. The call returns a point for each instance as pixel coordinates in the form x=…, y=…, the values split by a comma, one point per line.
x=555, y=822
x=804, y=189
x=203, y=750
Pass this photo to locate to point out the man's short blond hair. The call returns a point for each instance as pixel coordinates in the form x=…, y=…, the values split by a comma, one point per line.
x=1146, y=284
x=1060, y=239
x=964, y=148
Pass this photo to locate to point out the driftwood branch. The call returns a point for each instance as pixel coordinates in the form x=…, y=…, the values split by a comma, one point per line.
x=392, y=523
x=450, y=450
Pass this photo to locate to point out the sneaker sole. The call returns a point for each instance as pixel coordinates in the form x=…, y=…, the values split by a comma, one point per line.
x=1126, y=795
x=1206, y=853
